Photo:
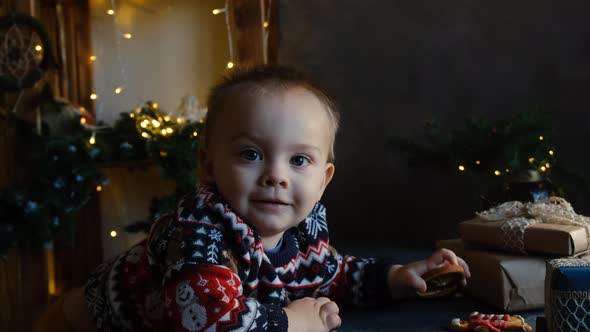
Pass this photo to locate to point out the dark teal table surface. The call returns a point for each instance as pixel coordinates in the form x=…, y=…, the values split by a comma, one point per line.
x=415, y=314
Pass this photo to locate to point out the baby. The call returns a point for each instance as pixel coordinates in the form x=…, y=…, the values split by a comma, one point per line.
x=249, y=250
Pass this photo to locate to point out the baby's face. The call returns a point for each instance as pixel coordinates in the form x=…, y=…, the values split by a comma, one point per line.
x=268, y=158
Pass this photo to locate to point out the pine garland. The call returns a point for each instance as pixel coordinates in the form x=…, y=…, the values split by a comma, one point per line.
x=65, y=169
x=494, y=152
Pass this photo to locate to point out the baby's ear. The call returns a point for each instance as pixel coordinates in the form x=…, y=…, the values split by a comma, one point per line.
x=328, y=175
x=205, y=167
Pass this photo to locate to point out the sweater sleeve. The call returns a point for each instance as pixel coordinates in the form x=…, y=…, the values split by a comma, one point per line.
x=208, y=297
x=201, y=292
x=358, y=281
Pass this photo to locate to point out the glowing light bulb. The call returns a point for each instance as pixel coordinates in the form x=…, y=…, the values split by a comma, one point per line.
x=507, y=170
x=164, y=132
x=111, y=12
x=166, y=118
x=195, y=134
x=127, y=35
x=547, y=165
x=113, y=233
x=155, y=105
x=461, y=168
x=169, y=130
x=217, y=11
x=92, y=139
x=82, y=120
x=477, y=162
x=541, y=138
x=93, y=96
x=230, y=65
x=145, y=135
x=531, y=159
x=38, y=48
x=131, y=115
x=155, y=123
x=497, y=172
x=551, y=152
x=92, y=57
x=543, y=168
x=98, y=188
x=265, y=24
x=118, y=90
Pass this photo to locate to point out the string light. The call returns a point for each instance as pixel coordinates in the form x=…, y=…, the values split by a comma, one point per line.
x=38, y=48
x=551, y=152
x=99, y=188
x=507, y=170
x=119, y=34
x=93, y=96
x=93, y=58
x=83, y=121
x=230, y=63
x=477, y=162
x=497, y=172
x=461, y=168
x=155, y=123
x=131, y=115
x=92, y=139
x=547, y=165
x=541, y=138
x=531, y=159
x=155, y=105
x=265, y=11
x=543, y=168
x=145, y=135
x=169, y=130
x=163, y=153
x=113, y=233
x=166, y=118
x=195, y=134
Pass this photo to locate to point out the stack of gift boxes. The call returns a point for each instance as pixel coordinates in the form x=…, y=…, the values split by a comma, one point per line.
x=527, y=256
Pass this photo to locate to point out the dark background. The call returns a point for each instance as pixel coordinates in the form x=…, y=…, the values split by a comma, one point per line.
x=392, y=65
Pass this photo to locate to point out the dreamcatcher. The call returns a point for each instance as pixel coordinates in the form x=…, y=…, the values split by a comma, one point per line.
x=25, y=52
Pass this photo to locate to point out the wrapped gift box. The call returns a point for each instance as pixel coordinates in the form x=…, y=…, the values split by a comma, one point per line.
x=507, y=282
x=539, y=238
x=567, y=289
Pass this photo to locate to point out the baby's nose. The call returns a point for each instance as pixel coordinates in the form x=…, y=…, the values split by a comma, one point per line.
x=275, y=176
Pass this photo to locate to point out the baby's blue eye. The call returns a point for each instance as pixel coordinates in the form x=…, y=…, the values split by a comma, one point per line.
x=299, y=160
x=251, y=154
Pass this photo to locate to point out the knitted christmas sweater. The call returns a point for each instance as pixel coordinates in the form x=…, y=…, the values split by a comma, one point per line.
x=204, y=269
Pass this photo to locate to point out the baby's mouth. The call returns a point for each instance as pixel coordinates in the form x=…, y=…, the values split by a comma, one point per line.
x=269, y=204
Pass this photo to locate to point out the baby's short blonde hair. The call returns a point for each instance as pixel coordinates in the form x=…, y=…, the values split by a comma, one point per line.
x=265, y=78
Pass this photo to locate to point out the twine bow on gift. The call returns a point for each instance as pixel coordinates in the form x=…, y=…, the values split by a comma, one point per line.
x=514, y=217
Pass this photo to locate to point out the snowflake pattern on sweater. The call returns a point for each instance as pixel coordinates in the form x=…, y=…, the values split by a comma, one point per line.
x=204, y=269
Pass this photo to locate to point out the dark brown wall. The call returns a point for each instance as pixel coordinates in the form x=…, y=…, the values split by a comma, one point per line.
x=394, y=64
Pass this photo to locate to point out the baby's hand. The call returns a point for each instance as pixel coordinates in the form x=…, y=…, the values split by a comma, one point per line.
x=403, y=277
x=309, y=314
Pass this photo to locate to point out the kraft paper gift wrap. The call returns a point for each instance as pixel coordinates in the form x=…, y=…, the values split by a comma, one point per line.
x=538, y=238
x=567, y=289
x=506, y=281
x=548, y=227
